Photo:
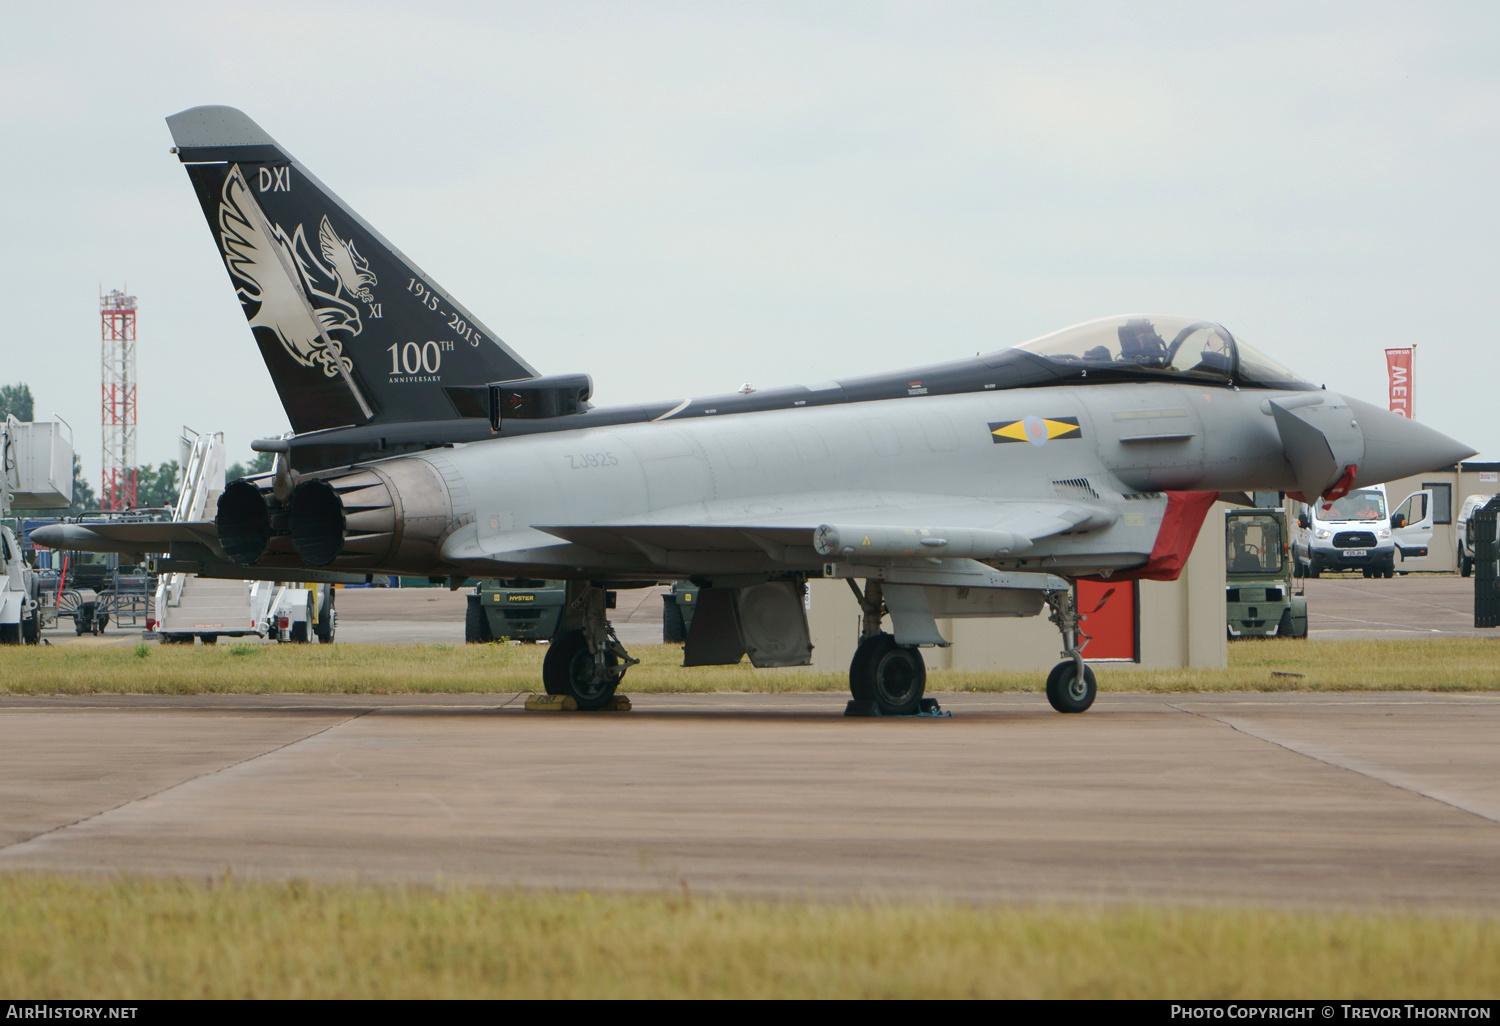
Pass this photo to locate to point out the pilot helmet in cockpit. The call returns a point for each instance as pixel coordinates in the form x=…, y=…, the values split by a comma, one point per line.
x=1139, y=342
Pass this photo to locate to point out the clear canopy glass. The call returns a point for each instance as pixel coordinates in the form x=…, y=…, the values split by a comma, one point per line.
x=1175, y=346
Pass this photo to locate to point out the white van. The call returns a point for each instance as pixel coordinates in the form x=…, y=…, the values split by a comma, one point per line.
x=1465, y=552
x=1359, y=532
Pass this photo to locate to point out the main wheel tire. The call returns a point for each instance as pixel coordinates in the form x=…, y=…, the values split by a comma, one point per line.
x=859, y=673
x=327, y=618
x=1066, y=693
x=477, y=624
x=892, y=676
x=1390, y=572
x=673, y=623
x=1284, y=625
x=568, y=669
x=31, y=628
x=1367, y=573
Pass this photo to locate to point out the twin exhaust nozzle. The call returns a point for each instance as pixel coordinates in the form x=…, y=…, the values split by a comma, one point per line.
x=387, y=518
x=313, y=518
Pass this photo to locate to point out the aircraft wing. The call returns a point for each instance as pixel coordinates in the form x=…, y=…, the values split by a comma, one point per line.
x=944, y=526
x=151, y=536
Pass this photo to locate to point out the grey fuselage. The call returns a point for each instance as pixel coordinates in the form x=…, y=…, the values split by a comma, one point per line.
x=920, y=462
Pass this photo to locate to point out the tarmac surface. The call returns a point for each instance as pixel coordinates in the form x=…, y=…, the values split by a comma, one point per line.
x=417, y=616
x=1349, y=607
x=425, y=616
x=1370, y=800
x=1340, y=607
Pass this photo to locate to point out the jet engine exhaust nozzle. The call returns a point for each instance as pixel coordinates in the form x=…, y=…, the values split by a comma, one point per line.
x=385, y=517
x=316, y=519
x=243, y=522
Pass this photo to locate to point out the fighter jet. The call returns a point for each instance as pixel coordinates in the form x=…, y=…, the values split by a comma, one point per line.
x=981, y=487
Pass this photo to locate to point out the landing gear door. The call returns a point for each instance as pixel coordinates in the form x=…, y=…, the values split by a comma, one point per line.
x=1414, y=537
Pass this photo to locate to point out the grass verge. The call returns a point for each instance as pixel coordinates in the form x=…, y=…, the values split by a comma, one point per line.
x=131, y=938
x=1456, y=664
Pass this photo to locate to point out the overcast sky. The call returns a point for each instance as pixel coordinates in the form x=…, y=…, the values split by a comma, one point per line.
x=678, y=198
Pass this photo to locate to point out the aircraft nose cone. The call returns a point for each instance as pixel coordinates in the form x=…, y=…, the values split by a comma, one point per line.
x=1396, y=447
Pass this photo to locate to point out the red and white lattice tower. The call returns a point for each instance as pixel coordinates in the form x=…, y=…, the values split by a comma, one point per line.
x=117, y=399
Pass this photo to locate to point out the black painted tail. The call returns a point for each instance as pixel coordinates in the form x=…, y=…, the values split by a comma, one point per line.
x=351, y=330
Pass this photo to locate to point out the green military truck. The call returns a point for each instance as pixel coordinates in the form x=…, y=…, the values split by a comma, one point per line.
x=516, y=608
x=1258, y=576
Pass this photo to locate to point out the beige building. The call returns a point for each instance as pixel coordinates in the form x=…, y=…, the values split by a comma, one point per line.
x=1449, y=489
x=1176, y=623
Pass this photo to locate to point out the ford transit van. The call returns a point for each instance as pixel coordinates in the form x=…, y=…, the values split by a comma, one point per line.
x=1359, y=532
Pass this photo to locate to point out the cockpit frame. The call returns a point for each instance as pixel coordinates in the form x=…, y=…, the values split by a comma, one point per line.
x=1134, y=346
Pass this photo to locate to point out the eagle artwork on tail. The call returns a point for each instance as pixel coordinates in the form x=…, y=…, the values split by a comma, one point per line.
x=263, y=259
x=352, y=270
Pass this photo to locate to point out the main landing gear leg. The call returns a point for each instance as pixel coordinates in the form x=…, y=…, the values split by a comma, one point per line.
x=1070, y=685
x=585, y=659
x=885, y=678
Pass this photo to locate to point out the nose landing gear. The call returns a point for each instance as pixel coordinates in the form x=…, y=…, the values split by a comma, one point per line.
x=1070, y=686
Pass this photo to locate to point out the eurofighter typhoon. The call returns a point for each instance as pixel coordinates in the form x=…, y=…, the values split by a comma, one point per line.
x=982, y=487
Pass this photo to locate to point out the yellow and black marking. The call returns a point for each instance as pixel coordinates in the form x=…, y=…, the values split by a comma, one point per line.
x=1036, y=430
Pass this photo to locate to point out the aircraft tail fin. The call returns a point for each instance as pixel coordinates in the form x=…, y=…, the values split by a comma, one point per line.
x=351, y=330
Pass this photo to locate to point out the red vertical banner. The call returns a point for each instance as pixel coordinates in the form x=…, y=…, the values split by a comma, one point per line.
x=1399, y=366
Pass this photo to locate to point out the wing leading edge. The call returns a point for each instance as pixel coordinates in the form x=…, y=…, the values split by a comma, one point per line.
x=950, y=529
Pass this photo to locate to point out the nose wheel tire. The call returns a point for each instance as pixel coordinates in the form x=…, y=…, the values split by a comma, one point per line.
x=1066, y=692
x=569, y=669
x=893, y=677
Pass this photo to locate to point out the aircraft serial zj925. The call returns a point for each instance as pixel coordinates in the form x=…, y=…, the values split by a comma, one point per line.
x=984, y=487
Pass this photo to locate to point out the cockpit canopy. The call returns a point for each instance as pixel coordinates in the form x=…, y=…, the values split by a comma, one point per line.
x=1154, y=345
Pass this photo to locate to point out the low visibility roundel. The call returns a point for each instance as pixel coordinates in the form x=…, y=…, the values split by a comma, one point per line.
x=1036, y=430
